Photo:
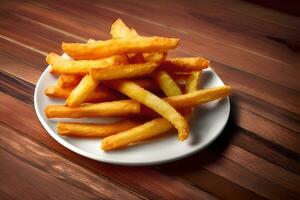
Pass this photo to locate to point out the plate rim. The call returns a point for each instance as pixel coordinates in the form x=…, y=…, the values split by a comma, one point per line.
x=81, y=152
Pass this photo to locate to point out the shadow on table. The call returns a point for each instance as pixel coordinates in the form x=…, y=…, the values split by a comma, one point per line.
x=211, y=153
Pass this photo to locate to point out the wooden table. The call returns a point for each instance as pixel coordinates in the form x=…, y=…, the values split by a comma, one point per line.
x=253, y=48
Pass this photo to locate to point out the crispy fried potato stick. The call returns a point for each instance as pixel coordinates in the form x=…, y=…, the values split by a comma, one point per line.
x=199, y=97
x=122, y=71
x=136, y=134
x=105, y=109
x=193, y=81
x=120, y=30
x=191, y=86
x=66, y=81
x=98, y=95
x=61, y=65
x=167, y=84
x=118, y=46
x=82, y=91
x=184, y=64
x=145, y=97
x=94, y=130
x=160, y=125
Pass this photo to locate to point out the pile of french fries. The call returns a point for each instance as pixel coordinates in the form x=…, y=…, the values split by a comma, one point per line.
x=128, y=76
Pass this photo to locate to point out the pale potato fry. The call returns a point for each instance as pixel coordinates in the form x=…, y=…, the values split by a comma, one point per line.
x=91, y=40
x=120, y=30
x=193, y=81
x=122, y=71
x=94, y=130
x=136, y=92
x=105, y=109
x=167, y=84
x=184, y=64
x=191, y=86
x=98, y=95
x=118, y=46
x=82, y=91
x=65, y=80
x=199, y=97
x=61, y=65
x=136, y=134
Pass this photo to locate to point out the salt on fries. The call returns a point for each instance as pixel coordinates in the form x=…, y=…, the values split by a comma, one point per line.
x=100, y=74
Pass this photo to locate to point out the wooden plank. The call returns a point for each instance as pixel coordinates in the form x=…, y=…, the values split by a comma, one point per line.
x=262, y=13
x=228, y=170
x=240, y=181
x=212, y=49
x=248, y=61
x=37, y=165
x=154, y=185
x=23, y=31
x=20, y=61
x=262, y=167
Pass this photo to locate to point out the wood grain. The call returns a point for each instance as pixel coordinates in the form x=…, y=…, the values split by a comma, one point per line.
x=255, y=49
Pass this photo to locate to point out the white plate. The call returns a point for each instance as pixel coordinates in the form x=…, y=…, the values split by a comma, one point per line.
x=206, y=123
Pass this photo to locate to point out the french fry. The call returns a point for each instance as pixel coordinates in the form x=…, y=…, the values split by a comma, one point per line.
x=145, y=97
x=191, y=86
x=136, y=134
x=98, y=95
x=198, y=97
x=193, y=81
x=68, y=80
x=82, y=91
x=118, y=46
x=105, y=109
x=167, y=84
x=94, y=130
x=184, y=64
x=120, y=30
x=122, y=71
x=61, y=65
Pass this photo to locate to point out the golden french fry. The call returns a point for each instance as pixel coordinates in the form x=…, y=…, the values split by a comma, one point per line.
x=157, y=57
x=94, y=130
x=167, y=84
x=82, y=91
x=122, y=71
x=136, y=134
x=58, y=92
x=105, y=109
x=184, y=64
x=61, y=65
x=118, y=46
x=98, y=95
x=199, y=97
x=68, y=80
x=136, y=92
x=120, y=30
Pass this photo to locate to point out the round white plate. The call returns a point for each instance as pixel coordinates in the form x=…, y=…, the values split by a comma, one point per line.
x=206, y=123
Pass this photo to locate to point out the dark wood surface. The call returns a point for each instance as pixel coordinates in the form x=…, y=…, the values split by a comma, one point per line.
x=253, y=48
